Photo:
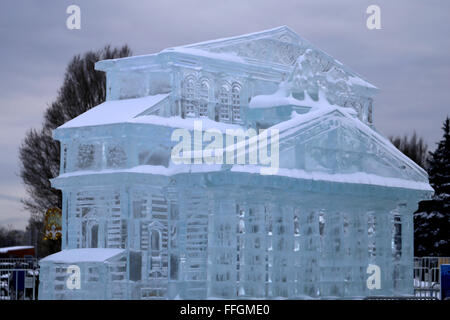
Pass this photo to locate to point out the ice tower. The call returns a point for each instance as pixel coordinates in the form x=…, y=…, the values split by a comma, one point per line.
x=136, y=225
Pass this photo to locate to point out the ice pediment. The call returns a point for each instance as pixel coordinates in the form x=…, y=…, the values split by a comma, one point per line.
x=280, y=46
x=333, y=141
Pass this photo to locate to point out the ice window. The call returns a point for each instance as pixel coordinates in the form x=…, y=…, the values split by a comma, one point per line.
x=203, y=98
x=155, y=238
x=94, y=236
x=397, y=237
x=321, y=223
x=138, y=208
x=135, y=265
x=86, y=154
x=346, y=224
x=236, y=103
x=188, y=96
x=64, y=158
x=195, y=97
x=296, y=223
x=174, y=266
x=224, y=102
x=115, y=157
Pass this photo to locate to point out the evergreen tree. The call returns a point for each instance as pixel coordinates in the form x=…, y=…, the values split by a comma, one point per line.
x=432, y=219
x=82, y=89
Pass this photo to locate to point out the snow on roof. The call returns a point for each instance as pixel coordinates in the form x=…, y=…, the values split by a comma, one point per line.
x=320, y=108
x=196, y=49
x=149, y=169
x=15, y=248
x=356, y=177
x=187, y=123
x=360, y=82
x=114, y=111
x=128, y=110
x=284, y=97
x=83, y=255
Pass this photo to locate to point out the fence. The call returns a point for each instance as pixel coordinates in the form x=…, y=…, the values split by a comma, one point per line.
x=427, y=276
x=19, y=279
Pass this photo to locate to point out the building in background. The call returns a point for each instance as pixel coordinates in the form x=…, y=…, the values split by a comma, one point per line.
x=17, y=252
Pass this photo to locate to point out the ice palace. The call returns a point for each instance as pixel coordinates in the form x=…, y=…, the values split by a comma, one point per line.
x=137, y=225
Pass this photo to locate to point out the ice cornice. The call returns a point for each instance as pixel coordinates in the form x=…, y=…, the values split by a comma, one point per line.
x=349, y=178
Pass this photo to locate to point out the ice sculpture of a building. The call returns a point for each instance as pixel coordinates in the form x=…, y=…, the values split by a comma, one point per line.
x=139, y=226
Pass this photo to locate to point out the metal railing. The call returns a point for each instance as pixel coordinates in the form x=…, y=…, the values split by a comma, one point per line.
x=19, y=278
x=427, y=276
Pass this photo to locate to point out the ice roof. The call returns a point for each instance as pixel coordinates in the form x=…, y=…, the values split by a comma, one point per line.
x=197, y=48
x=356, y=177
x=15, y=248
x=209, y=49
x=286, y=129
x=183, y=123
x=114, y=111
x=83, y=255
x=129, y=110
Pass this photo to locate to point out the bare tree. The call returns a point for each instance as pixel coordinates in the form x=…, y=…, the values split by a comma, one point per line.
x=415, y=148
x=82, y=89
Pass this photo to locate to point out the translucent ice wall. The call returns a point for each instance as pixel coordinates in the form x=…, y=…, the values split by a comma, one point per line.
x=341, y=201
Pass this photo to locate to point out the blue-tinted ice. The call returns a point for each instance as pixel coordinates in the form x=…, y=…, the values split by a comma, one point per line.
x=140, y=224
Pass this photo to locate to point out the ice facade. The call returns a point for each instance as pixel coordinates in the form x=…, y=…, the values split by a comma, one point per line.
x=139, y=226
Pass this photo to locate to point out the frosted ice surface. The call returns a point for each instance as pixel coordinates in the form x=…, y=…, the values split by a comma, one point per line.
x=83, y=255
x=139, y=225
x=117, y=111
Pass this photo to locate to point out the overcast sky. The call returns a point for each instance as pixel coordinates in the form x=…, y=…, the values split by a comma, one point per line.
x=408, y=59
